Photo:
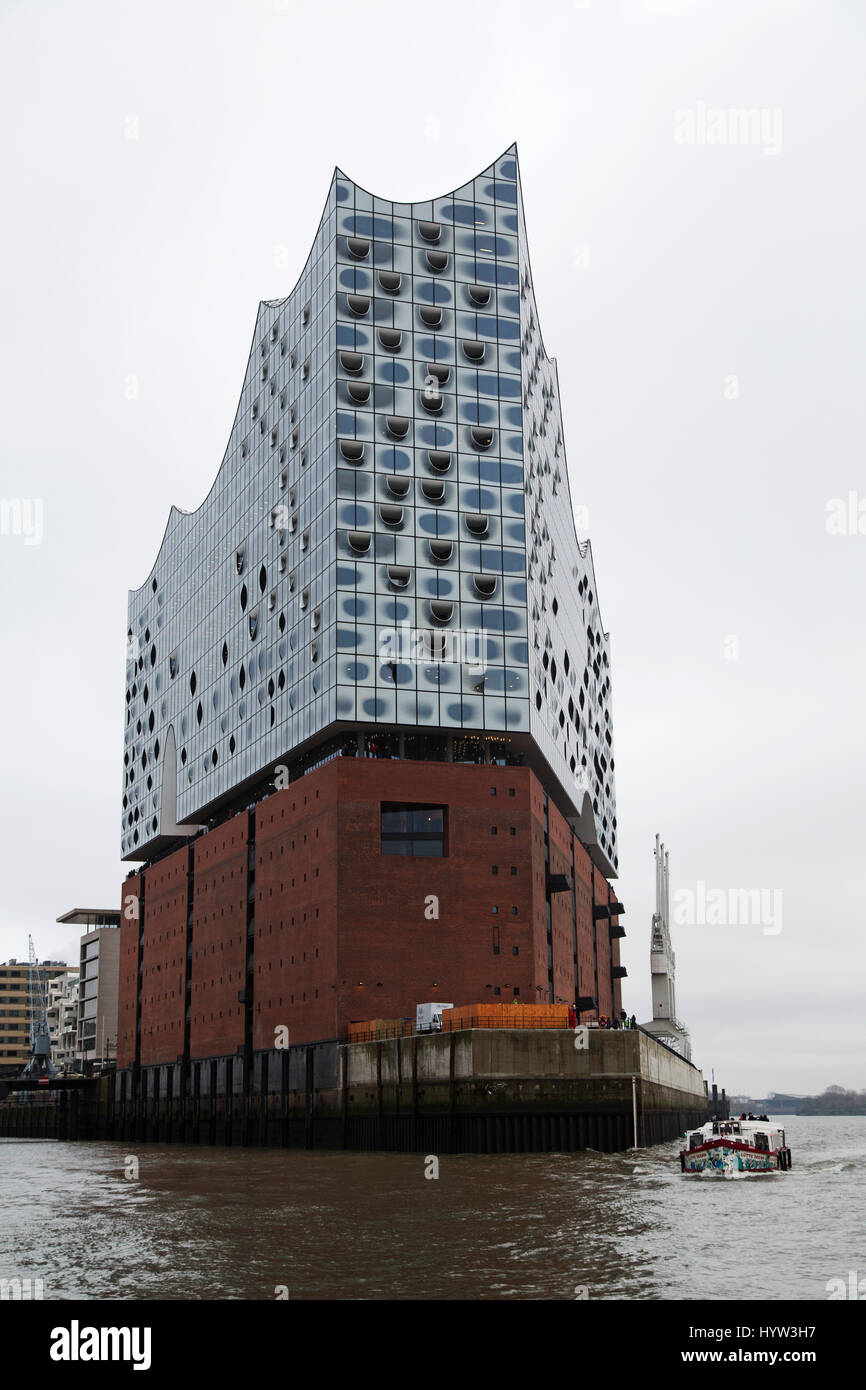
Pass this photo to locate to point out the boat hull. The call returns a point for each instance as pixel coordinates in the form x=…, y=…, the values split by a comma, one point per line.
x=748, y=1147
x=723, y=1162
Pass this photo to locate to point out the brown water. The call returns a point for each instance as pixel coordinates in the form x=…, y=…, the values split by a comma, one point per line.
x=203, y=1223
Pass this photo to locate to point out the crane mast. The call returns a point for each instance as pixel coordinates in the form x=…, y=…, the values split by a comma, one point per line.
x=40, y=1063
x=664, y=1023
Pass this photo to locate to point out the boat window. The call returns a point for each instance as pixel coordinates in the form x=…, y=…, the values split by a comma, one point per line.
x=762, y=1142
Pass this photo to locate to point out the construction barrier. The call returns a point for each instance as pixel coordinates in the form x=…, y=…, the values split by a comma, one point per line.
x=466, y=1016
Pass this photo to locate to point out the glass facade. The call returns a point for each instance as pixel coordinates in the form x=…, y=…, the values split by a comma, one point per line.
x=389, y=540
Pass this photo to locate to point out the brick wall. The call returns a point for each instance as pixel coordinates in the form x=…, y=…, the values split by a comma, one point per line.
x=164, y=920
x=219, y=939
x=344, y=933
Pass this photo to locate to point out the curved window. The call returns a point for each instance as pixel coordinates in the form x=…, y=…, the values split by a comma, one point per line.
x=437, y=260
x=440, y=459
x=479, y=294
x=482, y=436
x=390, y=281
x=352, y=450
x=399, y=576
x=390, y=338
x=359, y=541
x=359, y=391
x=477, y=523
x=430, y=231
x=254, y=622
x=239, y=558
x=391, y=514
x=441, y=611
x=243, y=598
x=352, y=361
x=485, y=584
x=358, y=246
x=398, y=425
x=435, y=646
x=397, y=485
x=358, y=303
x=473, y=349
x=441, y=550
x=432, y=400
x=440, y=370
x=433, y=489
x=431, y=315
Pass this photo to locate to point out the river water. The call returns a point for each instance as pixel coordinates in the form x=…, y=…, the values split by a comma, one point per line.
x=202, y=1223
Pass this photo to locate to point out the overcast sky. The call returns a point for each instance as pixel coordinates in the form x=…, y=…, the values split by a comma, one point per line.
x=699, y=281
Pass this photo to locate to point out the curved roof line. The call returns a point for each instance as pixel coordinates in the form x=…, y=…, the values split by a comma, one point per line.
x=585, y=547
x=410, y=202
x=273, y=303
x=262, y=303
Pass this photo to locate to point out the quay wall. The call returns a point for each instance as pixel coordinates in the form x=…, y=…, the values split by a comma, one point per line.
x=480, y=1090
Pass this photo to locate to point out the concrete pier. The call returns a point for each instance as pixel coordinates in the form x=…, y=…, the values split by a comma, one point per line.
x=479, y=1090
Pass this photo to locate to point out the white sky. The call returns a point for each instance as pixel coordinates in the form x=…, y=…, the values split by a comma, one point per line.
x=145, y=258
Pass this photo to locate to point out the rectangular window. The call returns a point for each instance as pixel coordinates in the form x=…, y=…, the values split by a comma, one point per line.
x=414, y=829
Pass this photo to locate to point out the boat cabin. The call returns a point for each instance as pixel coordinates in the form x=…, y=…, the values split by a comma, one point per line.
x=758, y=1134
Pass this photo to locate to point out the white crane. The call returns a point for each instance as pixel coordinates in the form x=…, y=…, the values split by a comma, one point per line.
x=664, y=1023
x=40, y=1063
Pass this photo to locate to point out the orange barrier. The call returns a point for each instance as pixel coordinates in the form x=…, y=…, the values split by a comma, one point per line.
x=374, y=1028
x=505, y=1016
x=466, y=1016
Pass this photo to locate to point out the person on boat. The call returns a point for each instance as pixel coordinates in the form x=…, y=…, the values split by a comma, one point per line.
x=614, y=1023
x=633, y=1021
x=572, y=1016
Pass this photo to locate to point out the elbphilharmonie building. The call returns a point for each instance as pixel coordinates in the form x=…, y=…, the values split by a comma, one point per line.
x=369, y=671
x=388, y=553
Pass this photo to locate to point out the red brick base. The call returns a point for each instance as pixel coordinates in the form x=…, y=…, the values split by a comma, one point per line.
x=335, y=931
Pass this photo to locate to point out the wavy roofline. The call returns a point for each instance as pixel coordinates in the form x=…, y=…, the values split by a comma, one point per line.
x=263, y=303
x=411, y=202
x=273, y=303
x=585, y=547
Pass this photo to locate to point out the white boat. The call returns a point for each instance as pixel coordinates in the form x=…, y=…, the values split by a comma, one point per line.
x=742, y=1147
